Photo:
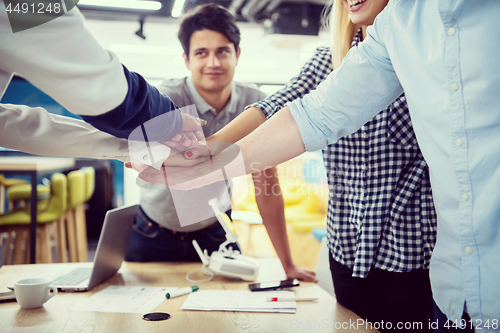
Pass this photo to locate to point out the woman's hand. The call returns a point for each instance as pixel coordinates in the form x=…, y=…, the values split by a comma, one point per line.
x=184, y=174
x=191, y=133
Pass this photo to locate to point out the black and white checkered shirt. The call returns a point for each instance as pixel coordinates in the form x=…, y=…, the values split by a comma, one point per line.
x=380, y=209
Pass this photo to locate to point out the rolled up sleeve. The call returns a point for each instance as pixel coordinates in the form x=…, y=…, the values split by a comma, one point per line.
x=362, y=86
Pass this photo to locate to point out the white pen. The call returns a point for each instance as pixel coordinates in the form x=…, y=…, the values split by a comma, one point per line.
x=291, y=299
x=182, y=291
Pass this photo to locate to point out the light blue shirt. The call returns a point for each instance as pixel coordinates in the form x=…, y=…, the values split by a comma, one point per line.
x=446, y=56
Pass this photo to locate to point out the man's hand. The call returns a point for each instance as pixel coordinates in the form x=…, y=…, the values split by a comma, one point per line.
x=176, y=159
x=180, y=178
x=296, y=272
x=190, y=135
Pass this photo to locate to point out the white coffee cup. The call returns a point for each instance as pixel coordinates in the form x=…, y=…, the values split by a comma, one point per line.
x=32, y=293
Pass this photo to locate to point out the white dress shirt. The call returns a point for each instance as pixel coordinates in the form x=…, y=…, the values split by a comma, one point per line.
x=62, y=59
x=51, y=57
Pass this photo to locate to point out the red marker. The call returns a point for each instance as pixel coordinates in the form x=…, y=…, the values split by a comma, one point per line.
x=291, y=299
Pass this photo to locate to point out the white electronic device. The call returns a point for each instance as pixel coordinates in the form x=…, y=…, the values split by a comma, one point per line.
x=227, y=262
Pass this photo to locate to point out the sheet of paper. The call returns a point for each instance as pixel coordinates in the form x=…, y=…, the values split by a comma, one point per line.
x=124, y=299
x=239, y=300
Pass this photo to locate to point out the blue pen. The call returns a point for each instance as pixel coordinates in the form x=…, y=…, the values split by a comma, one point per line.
x=182, y=291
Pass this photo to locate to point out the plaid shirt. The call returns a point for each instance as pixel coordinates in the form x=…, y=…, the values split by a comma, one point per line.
x=380, y=209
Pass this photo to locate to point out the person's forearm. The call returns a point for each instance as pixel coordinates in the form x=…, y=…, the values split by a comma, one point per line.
x=272, y=209
x=35, y=131
x=240, y=127
x=71, y=67
x=274, y=142
x=144, y=109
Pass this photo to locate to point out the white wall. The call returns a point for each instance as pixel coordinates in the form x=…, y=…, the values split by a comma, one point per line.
x=264, y=59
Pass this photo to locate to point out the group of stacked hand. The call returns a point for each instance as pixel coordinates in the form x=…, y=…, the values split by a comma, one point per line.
x=192, y=156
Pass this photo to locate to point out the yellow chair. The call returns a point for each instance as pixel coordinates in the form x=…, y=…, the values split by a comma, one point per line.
x=11, y=181
x=5, y=183
x=18, y=195
x=81, y=185
x=89, y=182
x=76, y=198
x=19, y=222
x=81, y=223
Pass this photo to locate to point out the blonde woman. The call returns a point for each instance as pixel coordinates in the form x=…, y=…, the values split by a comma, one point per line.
x=381, y=218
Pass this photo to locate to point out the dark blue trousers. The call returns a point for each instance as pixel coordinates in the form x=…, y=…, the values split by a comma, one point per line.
x=151, y=243
x=389, y=301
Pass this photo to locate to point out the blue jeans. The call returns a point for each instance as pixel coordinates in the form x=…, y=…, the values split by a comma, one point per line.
x=440, y=320
x=151, y=243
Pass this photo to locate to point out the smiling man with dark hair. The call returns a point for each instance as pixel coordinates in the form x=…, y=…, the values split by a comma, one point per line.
x=210, y=39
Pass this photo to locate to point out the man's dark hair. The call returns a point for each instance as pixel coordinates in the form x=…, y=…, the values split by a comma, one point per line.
x=210, y=17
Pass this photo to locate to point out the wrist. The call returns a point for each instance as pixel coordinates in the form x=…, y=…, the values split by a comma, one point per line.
x=288, y=266
x=211, y=138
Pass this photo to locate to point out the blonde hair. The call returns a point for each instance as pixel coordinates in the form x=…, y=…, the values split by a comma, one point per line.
x=342, y=29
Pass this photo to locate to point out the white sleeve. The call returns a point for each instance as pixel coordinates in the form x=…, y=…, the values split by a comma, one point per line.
x=36, y=131
x=63, y=60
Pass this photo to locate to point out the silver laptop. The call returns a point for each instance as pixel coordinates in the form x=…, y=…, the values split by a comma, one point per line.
x=109, y=255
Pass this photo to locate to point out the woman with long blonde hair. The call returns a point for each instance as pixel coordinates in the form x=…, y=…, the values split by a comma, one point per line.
x=381, y=219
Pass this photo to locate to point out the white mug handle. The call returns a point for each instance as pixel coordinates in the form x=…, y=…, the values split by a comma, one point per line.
x=51, y=292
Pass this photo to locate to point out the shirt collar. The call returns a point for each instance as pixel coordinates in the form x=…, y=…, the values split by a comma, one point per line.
x=203, y=107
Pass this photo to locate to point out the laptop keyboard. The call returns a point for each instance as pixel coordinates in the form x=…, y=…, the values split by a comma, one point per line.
x=73, y=278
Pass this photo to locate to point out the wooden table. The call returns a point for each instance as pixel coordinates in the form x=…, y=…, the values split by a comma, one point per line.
x=32, y=165
x=322, y=316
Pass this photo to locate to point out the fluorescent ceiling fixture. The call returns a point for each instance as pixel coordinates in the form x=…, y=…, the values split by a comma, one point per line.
x=146, y=49
x=259, y=63
x=177, y=9
x=128, y=4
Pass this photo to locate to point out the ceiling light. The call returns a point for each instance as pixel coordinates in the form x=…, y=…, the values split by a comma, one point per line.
x=177, y=8
x=122, y=4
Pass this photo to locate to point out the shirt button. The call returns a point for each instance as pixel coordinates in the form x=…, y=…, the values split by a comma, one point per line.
x=459, y=142
x=454, y=86
x=468, y=249
x=465, y=196
x=451, y=31
x=145, y=157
